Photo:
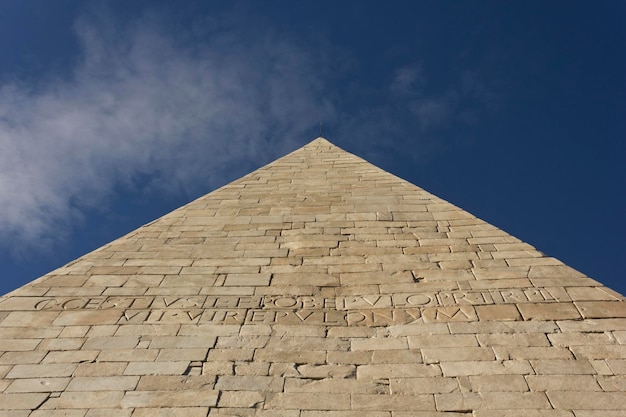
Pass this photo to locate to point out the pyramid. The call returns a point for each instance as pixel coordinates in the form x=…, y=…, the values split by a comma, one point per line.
x=316, y=286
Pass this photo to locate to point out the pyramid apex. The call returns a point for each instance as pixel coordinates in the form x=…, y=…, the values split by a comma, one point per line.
x=320, y=140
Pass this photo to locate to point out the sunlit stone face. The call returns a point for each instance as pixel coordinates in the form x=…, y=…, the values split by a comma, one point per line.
x=318, y=285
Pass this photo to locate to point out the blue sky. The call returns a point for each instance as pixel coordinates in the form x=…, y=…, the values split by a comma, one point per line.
x=114, y=113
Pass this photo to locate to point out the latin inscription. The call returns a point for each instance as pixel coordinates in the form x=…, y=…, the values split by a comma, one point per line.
x=282, y=302
x=361, y=310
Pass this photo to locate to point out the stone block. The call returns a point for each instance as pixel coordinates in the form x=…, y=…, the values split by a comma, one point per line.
x=21, y=401
x=184, y=398
x=343, y=413
x=169, y=412
x=309, y=401
x=243, y=399
x=532, y=352
x=441, y=340
x=249, y=383
x=38, y=385
x=548, y=311
x=18, y=345
x=599, y=413
x=385, y=402
x=175, y=342
x=515, y=400
x=335, y=385
x=500, y=272
x=515, y=339
x=87, y=318
x=492, y=400
x=271, y=355
x=397, y=371
x=67, y=343
x=579, y=338
x=600, y=351
x=498, y=383
x=430, y=385
x=457, y=401
x=128, y=355
x=71, y=356
x=175, y=382
x=100, y=369
x=503, y=327
x=563, y=367
x=242, y=280
x=391, y=343
x=85, y=400
x=29, y=319
x=581, y=400
x=67, y=413
x=356, y=358
x=502, y=312
x=180, y=354
x=42, y=371
x=14, y=358
x=47, y=332
x=602, y=309
x=452, y=354
x=613, y=383
x=103, y=383
x=397, y=356
x=562, y=383
x=252, y=369
x=156, y=368
x=593, y=294
x=513, y=367
x=326, y=371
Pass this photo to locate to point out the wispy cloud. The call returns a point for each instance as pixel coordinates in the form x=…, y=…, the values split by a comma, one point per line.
x=459, y=102
x=176, y=110
x=143, y=102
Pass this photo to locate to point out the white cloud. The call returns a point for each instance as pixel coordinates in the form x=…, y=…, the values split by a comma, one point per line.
x=432, y=112
x=408, y=80
x=182, y=108
x=141, y=102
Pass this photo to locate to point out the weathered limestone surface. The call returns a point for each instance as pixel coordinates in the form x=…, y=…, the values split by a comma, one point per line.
x=316, y=286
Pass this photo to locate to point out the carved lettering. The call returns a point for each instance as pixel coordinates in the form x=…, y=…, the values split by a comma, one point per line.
x=46, y=304
x=366, y=301
x=447, y=314
x=415, y=300
x=178, y=302
x=357, y=310
x=134, y=316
